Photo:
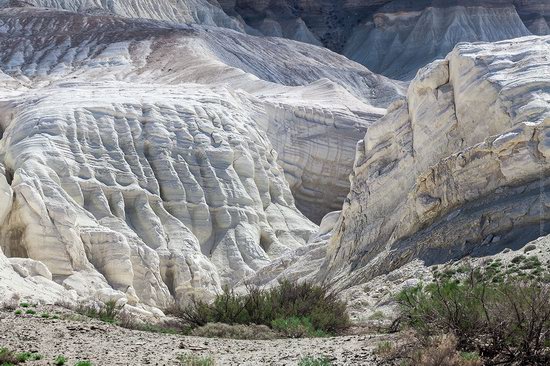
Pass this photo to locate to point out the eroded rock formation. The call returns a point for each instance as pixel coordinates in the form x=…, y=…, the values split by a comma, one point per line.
x=459, y=168
x=141, y=159
x=391, y=37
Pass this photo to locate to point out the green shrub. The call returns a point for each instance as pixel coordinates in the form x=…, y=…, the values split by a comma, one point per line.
x=296, y=327
x=30, y=312
x=312, y=305
x=441, y=351
x=60, y=360
x=18, y=312
x=107, y=313
x=518, y=259
x=384, y=348
x=24, y=305
x=28, y=356
x=507, y=321
x=193, y=360
x=314, y=361
x=8, y=357
x=45, y=315
x=83, y=363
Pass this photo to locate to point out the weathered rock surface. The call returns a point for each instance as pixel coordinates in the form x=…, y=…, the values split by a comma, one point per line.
x=187, y=11
x=460, y=168
x=391, y=37
x=394, y=37
x=142, y=158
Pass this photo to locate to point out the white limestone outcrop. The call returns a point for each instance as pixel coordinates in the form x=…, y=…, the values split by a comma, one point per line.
x=142, y=158
x=459, y=168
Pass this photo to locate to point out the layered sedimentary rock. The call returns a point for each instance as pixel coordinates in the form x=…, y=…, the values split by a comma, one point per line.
x=391, y=37
x=535, y=14
x=459, y=168
x=402, y=37
x=187, y=11
x=142, y=160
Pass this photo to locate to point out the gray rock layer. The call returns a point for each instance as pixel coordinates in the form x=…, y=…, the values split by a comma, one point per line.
x=459, y=168
x=391, y=37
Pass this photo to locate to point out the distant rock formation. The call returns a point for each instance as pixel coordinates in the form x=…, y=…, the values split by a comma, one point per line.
x=391, y=37
x=141, y=159
x=395, y=37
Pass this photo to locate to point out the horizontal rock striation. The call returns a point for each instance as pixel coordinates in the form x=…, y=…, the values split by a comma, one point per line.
x=459, y=168
x=188, y=11
x=391, y=37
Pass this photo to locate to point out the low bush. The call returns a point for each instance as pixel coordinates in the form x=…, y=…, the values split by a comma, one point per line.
x=385, y=349
x=287, y=307
x=314, y=361
x=83, y=363
x=297, y=327
x=60, y=360
x=504, y=322
x=28, y=356
x=107, y=312
x=8, y=358
x=193, y=360
x=442, y=351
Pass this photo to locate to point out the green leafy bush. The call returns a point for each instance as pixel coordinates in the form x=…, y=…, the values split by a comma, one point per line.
x=8, y=358
x=107, y=313
x=83, y=363
x=313, y=307
x=60, y=360
x=28, y=356
x=193, y=360
x=296, y=327
x=504, y=322
x=314, y=361
x=442, y=351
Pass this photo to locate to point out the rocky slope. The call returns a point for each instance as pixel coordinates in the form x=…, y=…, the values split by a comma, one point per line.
x=459, y=168
x=141, y=160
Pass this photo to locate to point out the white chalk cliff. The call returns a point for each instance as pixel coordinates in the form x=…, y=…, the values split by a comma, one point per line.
x=142, y=159
x=459, y=168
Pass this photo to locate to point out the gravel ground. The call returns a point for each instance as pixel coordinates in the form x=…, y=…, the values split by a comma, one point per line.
x=105, y=344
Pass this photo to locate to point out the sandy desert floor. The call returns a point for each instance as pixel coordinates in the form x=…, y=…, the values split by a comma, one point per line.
x=104, y=344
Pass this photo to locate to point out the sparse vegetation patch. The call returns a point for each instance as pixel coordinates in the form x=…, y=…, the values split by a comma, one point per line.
x=293, y=309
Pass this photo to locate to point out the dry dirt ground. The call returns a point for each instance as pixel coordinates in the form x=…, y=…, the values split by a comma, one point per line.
x=104, y=344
